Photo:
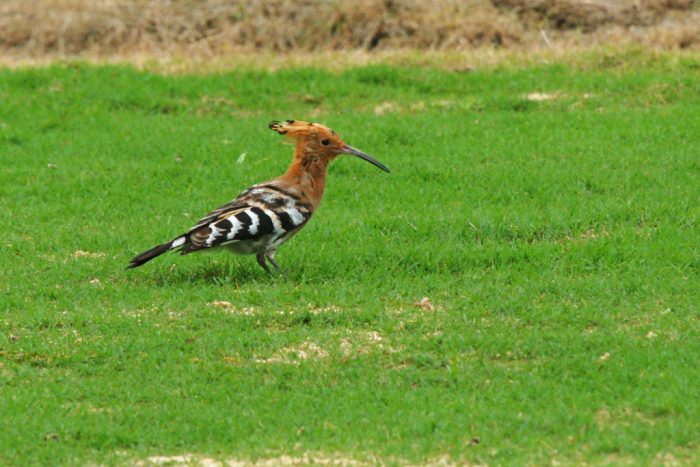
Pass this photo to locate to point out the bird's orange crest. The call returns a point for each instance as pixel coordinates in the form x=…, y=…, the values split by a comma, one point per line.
x=297, y=129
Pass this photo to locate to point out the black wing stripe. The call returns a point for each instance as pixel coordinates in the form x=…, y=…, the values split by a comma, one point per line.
x=246, y=221
x=265, y=225
x=224, y=224
x=286, y=221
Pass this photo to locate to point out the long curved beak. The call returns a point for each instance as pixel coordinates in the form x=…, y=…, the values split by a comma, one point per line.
x=347, y=149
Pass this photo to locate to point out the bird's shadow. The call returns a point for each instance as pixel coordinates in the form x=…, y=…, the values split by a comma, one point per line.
x=227, y=273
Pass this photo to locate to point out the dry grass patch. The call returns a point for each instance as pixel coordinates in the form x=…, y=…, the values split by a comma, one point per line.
x=285, y=460
x=88, y=254
x=583, y=56
x=363, y=343
x=541, y=96
x=425, y=304
x=348, y=345
x=294, y=355
x=309, y=458
x=216, y=28
x=591, y=15
x=229, y=307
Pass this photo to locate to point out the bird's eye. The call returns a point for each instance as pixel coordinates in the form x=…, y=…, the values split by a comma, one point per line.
x=325, y=141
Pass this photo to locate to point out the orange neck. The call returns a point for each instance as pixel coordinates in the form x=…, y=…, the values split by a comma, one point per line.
x=307, y=174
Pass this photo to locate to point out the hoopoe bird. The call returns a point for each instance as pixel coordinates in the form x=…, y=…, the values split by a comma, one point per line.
x=266, y=215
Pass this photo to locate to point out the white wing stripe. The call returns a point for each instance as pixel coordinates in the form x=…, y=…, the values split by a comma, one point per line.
x=215, y=232
x=296, y=216
x=275, y=221
x=235, y=227
x=254, y=222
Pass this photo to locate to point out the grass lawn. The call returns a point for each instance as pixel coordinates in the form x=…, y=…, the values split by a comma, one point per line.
x=550, y=213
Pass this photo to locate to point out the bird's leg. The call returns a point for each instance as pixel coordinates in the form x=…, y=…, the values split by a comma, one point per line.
x=271, y=259
x=274, y=263
x=261, y=261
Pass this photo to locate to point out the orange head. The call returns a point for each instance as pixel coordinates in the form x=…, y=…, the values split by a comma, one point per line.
x=316, y=144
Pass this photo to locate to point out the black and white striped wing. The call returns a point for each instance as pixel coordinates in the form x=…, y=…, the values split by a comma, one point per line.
x=263, y=214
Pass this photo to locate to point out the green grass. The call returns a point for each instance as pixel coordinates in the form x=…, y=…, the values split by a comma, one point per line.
x=559, y=241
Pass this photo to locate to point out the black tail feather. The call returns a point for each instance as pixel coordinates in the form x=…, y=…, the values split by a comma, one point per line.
x=148, y=255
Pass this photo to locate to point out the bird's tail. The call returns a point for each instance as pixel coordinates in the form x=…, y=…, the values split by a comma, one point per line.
x=156, y=251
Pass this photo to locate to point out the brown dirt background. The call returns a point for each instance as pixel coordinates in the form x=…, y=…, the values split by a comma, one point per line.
x=31, y=29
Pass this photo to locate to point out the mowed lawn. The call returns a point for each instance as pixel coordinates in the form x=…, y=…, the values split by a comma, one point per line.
x=550, y=213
